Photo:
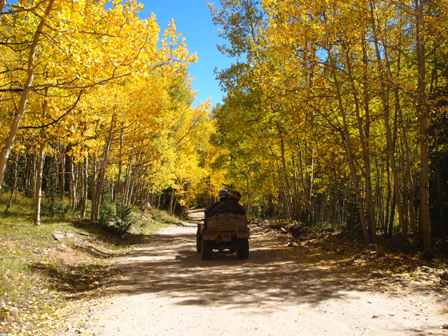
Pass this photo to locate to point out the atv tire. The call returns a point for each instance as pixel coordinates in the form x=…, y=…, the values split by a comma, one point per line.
x=243, y=249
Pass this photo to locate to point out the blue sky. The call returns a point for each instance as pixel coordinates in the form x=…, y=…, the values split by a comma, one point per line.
x=194, y=21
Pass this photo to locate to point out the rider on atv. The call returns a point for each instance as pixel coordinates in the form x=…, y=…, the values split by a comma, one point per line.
x=228, y=203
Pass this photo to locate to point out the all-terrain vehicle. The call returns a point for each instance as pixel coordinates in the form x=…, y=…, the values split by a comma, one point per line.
x=223, y=232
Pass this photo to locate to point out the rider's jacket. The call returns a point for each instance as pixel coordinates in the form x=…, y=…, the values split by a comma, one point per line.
x=227, y=205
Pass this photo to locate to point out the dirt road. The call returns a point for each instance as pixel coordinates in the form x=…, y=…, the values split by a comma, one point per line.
x=165, y=289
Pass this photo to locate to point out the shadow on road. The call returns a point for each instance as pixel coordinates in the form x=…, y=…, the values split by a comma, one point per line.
x=167, y=264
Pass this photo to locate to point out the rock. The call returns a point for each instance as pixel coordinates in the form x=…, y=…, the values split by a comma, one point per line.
x=445, y=326
x=293, y=244
x=61, y=248
x=57, y=235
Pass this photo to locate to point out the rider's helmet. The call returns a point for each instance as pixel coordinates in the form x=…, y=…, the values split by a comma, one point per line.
x=223, y=194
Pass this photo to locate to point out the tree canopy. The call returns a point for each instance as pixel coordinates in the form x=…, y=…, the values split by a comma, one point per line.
x=328, y=111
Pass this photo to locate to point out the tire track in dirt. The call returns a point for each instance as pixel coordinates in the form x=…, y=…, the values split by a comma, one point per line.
x=165, y=289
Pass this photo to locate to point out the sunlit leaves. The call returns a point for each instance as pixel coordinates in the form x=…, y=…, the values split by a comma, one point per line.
x=97, y=61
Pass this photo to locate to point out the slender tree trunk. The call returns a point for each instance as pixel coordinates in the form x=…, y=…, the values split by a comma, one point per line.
x=38, y=184
x=14, y=183
x=423, y=117
x=129, y=190
x=127, y=183
x=93, y=182
x=72, y=184
x=159, y=201
x=62, y=177
x=52, y=184
x=40, y=167
x=285, y=173
x=399, y=175
x=57, y=171
x=96, y=202
x=118, y=188
x=21, y=179
x=248, y=193
x=172, y=201
x=85, y=187
x=32, y=176
x=364, y=131
x=349, y=153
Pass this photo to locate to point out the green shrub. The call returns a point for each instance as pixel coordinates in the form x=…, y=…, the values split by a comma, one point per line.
x=164, y=217
x=55, y=209
x=117, y=218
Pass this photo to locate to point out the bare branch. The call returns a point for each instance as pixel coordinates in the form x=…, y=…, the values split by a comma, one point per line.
x=59, y=118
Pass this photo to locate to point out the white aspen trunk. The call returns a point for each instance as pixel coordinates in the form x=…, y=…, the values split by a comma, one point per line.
x=93, y=182
x=62, y=174
x=85, y=187
x=38, y=184
x=72, y=185
x=131, y=193
x=129, y=173
x=350, y=156
x=363, y=124
x=118, y=188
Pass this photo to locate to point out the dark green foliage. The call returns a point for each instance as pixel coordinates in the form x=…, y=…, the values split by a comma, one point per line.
x=116, y=217
x=52, y=208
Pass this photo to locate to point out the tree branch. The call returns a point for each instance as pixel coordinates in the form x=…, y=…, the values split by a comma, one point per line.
x=59, y=118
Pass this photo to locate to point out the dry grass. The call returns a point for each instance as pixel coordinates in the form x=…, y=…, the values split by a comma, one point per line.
x=30, y=302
